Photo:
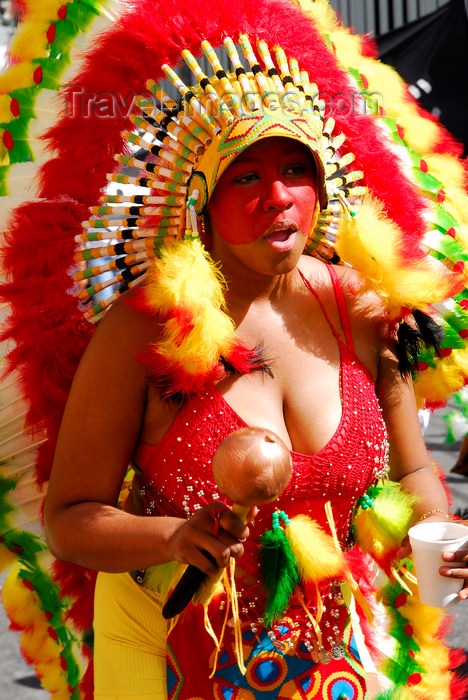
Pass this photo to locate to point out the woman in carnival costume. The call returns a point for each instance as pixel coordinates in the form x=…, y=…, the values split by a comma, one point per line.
x=281, y=258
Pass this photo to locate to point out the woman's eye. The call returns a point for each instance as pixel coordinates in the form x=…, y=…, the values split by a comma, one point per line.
x=246, y=179
x=295, y=169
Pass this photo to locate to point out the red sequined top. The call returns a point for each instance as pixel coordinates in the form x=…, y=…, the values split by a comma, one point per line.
x=178, y=478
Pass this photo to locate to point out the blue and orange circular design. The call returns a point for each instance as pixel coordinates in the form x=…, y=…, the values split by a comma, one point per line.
x=342, y=685
x=224, y=692
x=266, y=671
x=305, y=686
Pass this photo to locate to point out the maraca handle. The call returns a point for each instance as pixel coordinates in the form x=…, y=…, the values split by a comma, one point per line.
x=185, y=590
x=194, y=581
x=241, y=511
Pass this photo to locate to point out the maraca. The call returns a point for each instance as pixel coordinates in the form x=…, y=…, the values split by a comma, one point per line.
x=251, y=467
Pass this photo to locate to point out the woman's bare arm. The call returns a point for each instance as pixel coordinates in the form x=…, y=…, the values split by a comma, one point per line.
x=99, y=433
x=410, y=463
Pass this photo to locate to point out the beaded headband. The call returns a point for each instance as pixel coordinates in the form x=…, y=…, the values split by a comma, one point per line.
x=184, y=147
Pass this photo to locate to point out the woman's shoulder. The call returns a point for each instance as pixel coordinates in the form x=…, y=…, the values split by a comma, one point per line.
x=129, y=316
x=355, y=290
x=366, y=310
x=362, y=302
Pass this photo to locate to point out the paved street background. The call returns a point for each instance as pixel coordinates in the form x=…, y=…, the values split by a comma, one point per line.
x=18, y=679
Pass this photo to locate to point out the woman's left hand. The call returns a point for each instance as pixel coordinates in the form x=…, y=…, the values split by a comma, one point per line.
x=461, y=572
x=461, y=555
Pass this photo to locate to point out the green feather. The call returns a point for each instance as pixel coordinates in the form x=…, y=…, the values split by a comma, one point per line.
x=65, y=33
x=279, y=572
x=401, y=663
x=25, y=544
x=52, y=71
x=82, y=14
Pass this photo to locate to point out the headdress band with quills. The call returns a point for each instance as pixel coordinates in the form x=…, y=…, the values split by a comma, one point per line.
x=188, y=146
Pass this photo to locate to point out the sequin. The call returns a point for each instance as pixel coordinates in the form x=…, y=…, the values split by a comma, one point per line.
x=337, y=651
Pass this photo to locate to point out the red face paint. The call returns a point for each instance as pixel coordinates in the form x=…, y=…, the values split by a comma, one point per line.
x=268, y=192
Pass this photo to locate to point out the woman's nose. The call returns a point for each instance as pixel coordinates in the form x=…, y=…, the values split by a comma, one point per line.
x=277, y=196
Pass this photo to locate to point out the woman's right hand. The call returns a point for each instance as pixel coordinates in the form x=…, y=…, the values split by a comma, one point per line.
x=214, y=529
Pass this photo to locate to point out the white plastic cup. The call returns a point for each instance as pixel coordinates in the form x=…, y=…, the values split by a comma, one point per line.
x=428, y=541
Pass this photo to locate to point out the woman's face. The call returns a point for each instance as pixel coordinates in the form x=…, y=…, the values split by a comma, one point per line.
x=263, y=207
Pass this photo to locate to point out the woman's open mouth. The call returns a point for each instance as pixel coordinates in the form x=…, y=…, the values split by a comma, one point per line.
x=282, y=236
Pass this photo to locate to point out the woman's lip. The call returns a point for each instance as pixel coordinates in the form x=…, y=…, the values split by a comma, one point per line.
x=282, y=240
x=281, y=225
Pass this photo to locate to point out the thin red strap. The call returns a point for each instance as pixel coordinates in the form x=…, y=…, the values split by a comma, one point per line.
x=342, y=309
x=310, y=288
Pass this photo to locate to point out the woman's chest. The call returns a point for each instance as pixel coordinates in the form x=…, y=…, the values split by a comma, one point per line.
x=298, y=396
x=178, y=474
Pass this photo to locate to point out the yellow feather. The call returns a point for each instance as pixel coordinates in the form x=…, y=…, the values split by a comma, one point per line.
x=370, y=537
x=6, y=558
x=31, y=41
x=209, y=589
x=321, y=13
x=18, y=76
x=435, y=683
x=185, y=276
x=447, y=169
x=370, y=243
x=5, y=112
x=186, y=279
x=348, y=48
x=435, y=385
x=45, y=8
x=53, y=679
x=433, y=655
x=212, y=335
x=380, y=529
x=38, y=644
x=314, y=551
x=420, y=134
x=450, y=172
x=161, y=578
x=21, y=604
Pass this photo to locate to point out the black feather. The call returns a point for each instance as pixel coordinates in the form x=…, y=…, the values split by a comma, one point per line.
x=409, y=342
x=426, y=333
x=257, y=363
x=431, y=333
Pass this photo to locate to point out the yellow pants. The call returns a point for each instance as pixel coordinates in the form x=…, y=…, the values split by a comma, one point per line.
x=130, y=640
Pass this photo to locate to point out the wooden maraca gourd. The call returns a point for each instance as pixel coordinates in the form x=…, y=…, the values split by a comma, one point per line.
x=251, y=467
